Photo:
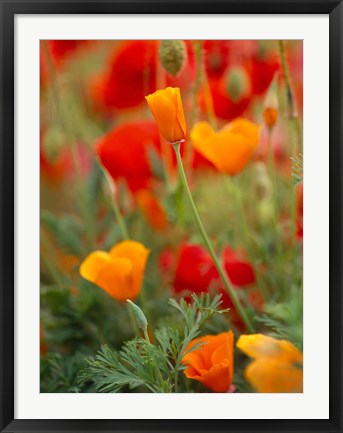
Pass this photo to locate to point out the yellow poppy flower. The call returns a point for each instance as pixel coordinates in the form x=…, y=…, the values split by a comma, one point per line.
x=277, y=365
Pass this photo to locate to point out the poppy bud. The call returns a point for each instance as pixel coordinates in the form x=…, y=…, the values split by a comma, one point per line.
x=172, y=55
x=238, y=83
x=271, y=106
x=141, y=320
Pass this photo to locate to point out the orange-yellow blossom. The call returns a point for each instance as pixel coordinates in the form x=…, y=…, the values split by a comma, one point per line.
x=166, y=106
x=277, y=365
x=212, y=363
x=229, y=149
x=119, y=272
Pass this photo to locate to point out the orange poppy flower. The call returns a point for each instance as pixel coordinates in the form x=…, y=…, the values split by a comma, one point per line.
x=119, y=272
x=229, y=149
x=166, y=106
x=277, y=365
x=212, y=363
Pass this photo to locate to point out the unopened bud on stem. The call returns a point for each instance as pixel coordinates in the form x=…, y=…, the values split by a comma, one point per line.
x=173, y=56
x=271, y=106
x=238, y=83
x=141, y=320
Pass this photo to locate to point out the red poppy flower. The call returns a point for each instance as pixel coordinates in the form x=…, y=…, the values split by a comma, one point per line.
x=224, y=105
x=60, y=49
x=216, y=57
x=262, y=71
x=124, y=152
x=129, y=75
x=196, y=272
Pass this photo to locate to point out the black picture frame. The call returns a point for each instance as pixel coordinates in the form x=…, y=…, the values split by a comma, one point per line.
x=8, y=11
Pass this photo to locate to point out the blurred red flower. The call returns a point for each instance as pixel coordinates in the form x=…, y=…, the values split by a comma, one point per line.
x=124, y=152
x=60, y=49
x=216, y=57
x=130, y=75
x=195, y=272
x=224, y=105
x=261, y=71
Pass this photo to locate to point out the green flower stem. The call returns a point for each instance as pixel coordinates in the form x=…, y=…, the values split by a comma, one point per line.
x=290, y=97
x=114, y=204
x=208, y=244
x=65, y=122
x=120, y=219
x=146, y=335
x=272, y=174
x=295, y=131
x=271, y=165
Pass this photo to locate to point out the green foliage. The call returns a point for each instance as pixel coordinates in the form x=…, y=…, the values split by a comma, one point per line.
x=148, y=366
x=284, y=320
x=59, y=373
x=66, y=229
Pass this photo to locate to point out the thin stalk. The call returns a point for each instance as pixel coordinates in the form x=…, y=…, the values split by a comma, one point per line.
x=285, y=70
x=271, y=165
x=146, y=335
x=293, y=197
x=114, y=204
x=292, y=114
x=295, y=131
x=209, y=246
x=72, y=141
x=272, y=174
